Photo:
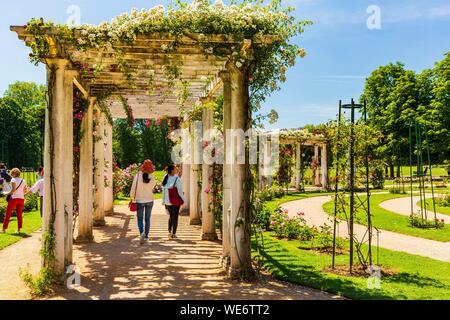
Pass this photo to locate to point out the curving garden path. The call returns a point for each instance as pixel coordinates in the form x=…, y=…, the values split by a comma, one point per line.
x=316, y=216
x=403, y=206
x=117, y=267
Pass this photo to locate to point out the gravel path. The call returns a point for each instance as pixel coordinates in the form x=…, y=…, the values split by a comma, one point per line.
x=316, y=216
x=403, y=206
x=117, y=267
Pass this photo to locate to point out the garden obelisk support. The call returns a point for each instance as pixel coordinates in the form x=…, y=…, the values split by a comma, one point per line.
x=58, y=202
x=99, y=169
x=195, y=205
x=208, y=223
x=108, y=200
x=324, y=164
x=240, y=264
x=85, y=220
x=226, y=170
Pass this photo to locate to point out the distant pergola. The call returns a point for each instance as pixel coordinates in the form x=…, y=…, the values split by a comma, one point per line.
x=300, y=139
x=208, y=76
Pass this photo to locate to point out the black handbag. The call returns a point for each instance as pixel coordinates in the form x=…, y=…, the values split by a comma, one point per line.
x=9, y=196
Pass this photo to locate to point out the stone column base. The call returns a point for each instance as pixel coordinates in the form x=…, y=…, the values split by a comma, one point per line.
x=195, y=222
x=209, y=236
x=99, y=223
x=84, y=239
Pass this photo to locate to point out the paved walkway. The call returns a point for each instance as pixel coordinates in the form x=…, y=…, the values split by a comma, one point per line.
x=403, y=206
x=117, y=267
x=316, y=216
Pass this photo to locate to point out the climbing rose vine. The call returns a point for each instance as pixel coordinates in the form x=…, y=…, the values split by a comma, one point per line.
x=249, y=20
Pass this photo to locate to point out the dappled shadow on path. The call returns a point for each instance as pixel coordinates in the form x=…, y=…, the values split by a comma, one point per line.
x=116, y=266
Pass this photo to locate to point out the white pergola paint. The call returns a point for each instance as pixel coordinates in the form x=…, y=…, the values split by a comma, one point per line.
x=208, y=77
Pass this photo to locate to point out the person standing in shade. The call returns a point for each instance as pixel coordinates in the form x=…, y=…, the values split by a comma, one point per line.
x=172, y=180
x=17, y=201
x=142, y=192
x=39, y=186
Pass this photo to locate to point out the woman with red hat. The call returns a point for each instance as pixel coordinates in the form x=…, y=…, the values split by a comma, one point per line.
x=142, y=194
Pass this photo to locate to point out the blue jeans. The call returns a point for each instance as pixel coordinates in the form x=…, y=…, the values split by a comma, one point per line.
x=147, y=208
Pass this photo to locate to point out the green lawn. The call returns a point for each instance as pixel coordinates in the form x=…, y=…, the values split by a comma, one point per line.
x=387, y=220
x=275, y=203
x=31, y=223
x=439, y=209
x=415, y=277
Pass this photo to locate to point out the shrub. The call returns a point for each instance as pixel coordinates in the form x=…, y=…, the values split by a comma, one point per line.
x=290, y=227
x=396, y=190
x=2, y=212
x=323, y=239
x=262, y=215
x=417, y=222
x=443, y=200
x=31, y=203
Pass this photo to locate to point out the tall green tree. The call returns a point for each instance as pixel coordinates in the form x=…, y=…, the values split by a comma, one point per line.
x=27, y=94
x=392, y=97
x=19, y=141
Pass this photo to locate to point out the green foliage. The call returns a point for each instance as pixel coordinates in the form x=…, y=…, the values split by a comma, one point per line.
x=290, y=227
x=285, y=172
x=31, y=202
x=27, y=94
x=396, y=97
x=21, y=138
x=41, y=284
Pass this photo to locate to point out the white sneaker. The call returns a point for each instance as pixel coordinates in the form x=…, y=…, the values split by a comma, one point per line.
x=174, y=236
x=170, y=236
x=2, y=231
x=142, y=238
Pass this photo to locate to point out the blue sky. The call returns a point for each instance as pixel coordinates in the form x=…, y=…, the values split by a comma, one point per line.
x=342, y=51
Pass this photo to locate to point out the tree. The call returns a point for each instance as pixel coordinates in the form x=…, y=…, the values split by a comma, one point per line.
x=27, y=94
x=126, y=145
x=19, y=141
x=436, y=108
x=392, y=96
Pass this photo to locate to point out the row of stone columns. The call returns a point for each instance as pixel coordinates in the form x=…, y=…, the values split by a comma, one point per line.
x=236, y=242
x=320, y=180
x=96, y=182
x=58, y=163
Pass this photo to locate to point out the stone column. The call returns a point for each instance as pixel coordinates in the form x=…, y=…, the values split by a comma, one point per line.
x=58, y=190
x=99, y=168
x=208, y=221
x=186, y=167
x=68, y=188
x=316, y=172
x=108, y=200
x=298, y=167
x=85, y=201
x=226, y=232
x=240, y=262
x=324, y=164
x=195, y=204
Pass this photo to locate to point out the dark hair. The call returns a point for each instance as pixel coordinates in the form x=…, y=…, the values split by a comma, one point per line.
x=169, y=170
x=146, y=177
x=40, y=169
x=2, y=166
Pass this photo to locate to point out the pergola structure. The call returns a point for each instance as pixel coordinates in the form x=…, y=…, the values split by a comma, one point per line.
x=146, y=58
x=302, y=138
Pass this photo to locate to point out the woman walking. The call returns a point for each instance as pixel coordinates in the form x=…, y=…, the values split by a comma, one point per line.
x=16, y=200
x=142, y=194
x=173, y=198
